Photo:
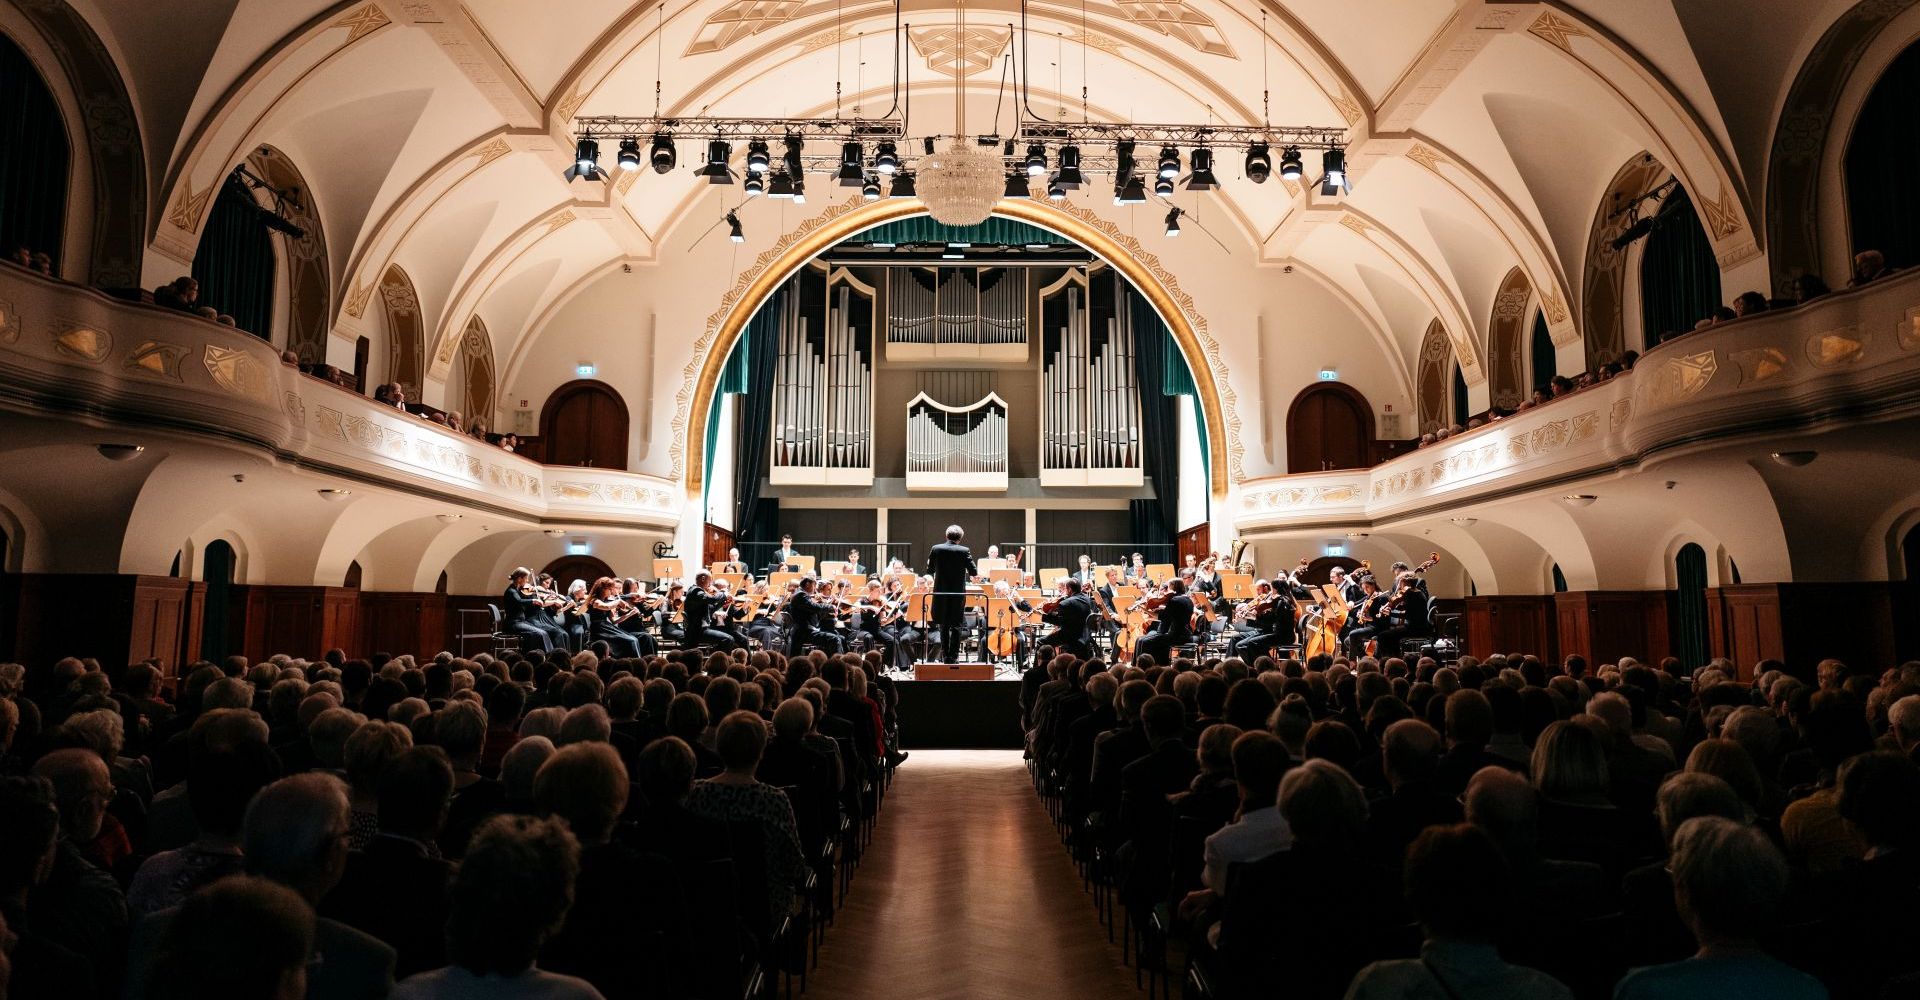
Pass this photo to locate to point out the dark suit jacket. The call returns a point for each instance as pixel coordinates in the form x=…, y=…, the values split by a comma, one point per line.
x=1112, y=752
x=394, y=891
x=951, y=566
x=1176, y=617
x=1144, y=786
x=1071, y=617
x=353, y=965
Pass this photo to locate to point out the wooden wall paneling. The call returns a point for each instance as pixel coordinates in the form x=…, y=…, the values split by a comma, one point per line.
x=1195, y=541
x=1572, y=629
x=401, y=622
x=1851, y=621
x=158, y=620
x=194, y=630
x=713, y=548
x=1605, y=625
x=1743, y=621
x=340, y=619
x=1507, y=623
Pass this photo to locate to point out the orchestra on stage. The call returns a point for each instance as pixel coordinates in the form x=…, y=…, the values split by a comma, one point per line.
x=989, y=610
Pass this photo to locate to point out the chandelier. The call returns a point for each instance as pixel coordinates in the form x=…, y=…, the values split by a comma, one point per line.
x=961, y=183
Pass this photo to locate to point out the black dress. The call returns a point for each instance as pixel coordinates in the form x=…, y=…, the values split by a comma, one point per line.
x=603, y=629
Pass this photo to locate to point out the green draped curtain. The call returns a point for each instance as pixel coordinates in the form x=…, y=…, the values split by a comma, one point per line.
x=1690, y=618
x=235, y=262
x=1160, y=371
x=1679, y=275
x=755, y=518
x=993, y=232
x=35, y=159
x=1883, y=208
x=1544, y=366
x=1460, y=403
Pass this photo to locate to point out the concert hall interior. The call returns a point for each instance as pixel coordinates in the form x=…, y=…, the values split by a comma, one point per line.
x=735, y=498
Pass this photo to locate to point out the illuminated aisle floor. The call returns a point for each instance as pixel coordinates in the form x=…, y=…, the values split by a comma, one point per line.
x=966, y=893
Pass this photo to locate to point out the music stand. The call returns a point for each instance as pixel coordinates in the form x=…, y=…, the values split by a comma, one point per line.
x=777, y=582
x=854, y=581
x=1236, y=586
x=920, y=616
x=906, y=579
x=806, y=563
x=668, y=569
x=1159, y=573
x=1050, y=578
x=734, y=581
x=832, y=568
x=1011, y=577
x=987, y=566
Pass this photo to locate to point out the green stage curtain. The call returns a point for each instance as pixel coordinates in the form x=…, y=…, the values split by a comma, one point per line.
x=993, y=232
x=235, y=263
x=1544, y=366
x=1679, y=276
x=1690, y=611
x=756, y=518
x=1882, y=206
x=1154, y=354
x=35, y=160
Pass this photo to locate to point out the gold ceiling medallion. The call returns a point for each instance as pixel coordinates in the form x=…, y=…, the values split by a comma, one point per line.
x=1178, y=19
x=187, y=208
x=737, y=20
x=363, y=21
x=958, y=51
x=1723, y=216
x=357, y=297
x=1425, y=156
x=1557, y=31
x=1554, y=306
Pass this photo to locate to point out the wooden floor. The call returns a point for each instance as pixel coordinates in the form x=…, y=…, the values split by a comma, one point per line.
x=966, y=894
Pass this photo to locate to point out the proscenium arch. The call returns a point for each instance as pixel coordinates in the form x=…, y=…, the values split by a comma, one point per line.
x=832, y=231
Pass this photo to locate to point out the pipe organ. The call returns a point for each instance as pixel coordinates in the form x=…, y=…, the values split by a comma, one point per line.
x=1089, y=400
x=957, y=448
x=823, y=383
x=959, y=313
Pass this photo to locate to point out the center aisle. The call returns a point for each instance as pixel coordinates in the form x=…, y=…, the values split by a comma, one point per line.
x=966, y=893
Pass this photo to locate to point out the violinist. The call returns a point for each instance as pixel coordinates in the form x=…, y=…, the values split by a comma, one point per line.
x=1404, y=615
x=1069, y=615
x=523, y=615
x=700, y=606
x=670, y=630
x=1017, y=609
x=1269, y=617
x=607, y=615
x=906, y=631
x=1173, y=624
x=808, y=616
x=766, y=627
x=573, y=617
x=872, y=619
x=1366, y=622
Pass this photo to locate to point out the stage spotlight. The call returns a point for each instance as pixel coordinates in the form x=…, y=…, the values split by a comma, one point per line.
x=1333, y=178
x=870, y=188
x=758, y=159
x=1069, y=175
x=902, y=186
x=734, y=232
x=886, y=160
x=799, y=189
x=1036, y=160
x=1201, y=179
x=629, y=158
x=1259, y=163
x=1292, y=166
x=1639, y=228
x=1133, y=192
x=1163, y=187
x=716, y=171
x=756, y=185
x=781, y=186
x=664, y=155
x=851, y=173
x=1169, y=162
x=1017, y=185
x=1056, y=190
x=795, y=145
x=586, y=162
x=1173, y=222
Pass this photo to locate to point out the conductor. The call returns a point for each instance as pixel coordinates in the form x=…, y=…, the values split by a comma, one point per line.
x=951, y=566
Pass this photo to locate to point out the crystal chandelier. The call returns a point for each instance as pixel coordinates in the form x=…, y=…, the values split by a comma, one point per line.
x=961, y=183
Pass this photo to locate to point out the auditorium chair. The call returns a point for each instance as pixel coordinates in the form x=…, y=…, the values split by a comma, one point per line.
x=503, y=642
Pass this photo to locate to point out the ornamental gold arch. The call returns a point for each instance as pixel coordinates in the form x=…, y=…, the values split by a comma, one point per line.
x=832, y=230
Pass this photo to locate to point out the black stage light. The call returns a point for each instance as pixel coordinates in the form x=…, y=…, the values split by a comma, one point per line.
x=629, y=158
x=902, y=186
x=781, y=186
x=734, y=232
x=586, y=162
x=758, y=159
x=1259, y=163
x=1017, y=185
x=1163, y=187
x=1292, y=165
x=1173, y=222
x=851, y=172
x=1056, y=190
x=886, y=160
x=1036, y=160
x=799, y=189
x=716, y=171
x=1069, y=176
x=664, y=156
x=1201, y=179
x=1133, y=192
x=795, y=145
x=1169, y=162
x=756, y=185
x=1333, y=179
x=870, y=188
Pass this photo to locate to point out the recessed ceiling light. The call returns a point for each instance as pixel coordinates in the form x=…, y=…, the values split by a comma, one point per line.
x=1794, y=459
x=119, y=452
x=1579, y=499
x=335, y=495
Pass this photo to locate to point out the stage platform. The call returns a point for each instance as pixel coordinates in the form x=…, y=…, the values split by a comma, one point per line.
x=971, y=715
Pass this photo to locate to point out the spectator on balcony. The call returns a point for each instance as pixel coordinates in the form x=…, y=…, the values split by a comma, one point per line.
x=290, y=359
x=1808, y=287
x=455, y=422
x=1868, y=265
x=183, y=294
x=21, y=256
x=1749, y=303
x=42, y=263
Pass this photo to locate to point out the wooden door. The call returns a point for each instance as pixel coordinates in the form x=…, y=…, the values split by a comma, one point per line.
x=585, y=423
x=567, y=569
x=1329, y=426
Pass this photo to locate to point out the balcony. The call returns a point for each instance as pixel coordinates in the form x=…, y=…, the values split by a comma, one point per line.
x=66, y=349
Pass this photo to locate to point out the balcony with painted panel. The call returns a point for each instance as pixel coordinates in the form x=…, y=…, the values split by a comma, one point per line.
x=1846, y=359
x=69, y=350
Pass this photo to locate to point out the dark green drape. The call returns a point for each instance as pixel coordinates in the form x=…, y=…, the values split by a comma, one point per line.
x=35, y=159
x=1690, y=610
x=1679, y=276
x=756, y=518
x=923, y=229
x=1544, y=365
x=1153, y=354
x=235, y=262
x=1460, y=403
x=1883, y=208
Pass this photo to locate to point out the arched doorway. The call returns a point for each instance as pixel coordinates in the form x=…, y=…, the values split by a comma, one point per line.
x=1320, y=570
x=1882, y=209
x=567, y=569
x=1679, y=275
x=1690, y=605
x=217, y=568
x=35, y=160
x=1544, y=366
x=585, y=423
x=1329, y=426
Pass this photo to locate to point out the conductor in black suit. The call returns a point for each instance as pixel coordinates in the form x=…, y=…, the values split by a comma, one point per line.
x=1069, y=621
x=951, y=566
